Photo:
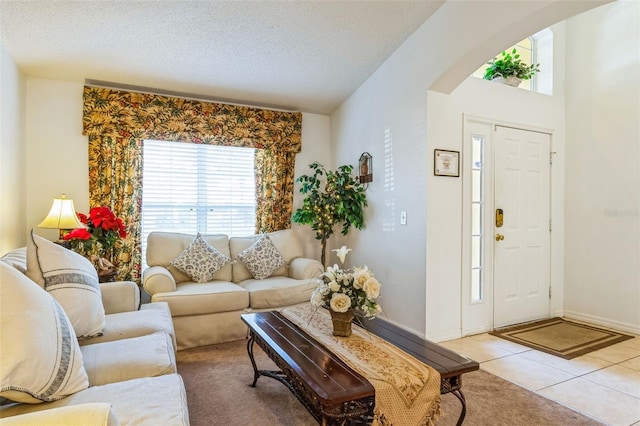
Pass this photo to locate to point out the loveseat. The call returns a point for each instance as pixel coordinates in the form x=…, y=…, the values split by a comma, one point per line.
x=125, y=374
x=256, y=273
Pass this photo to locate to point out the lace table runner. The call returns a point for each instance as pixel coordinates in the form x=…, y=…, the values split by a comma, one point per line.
x=407, y=390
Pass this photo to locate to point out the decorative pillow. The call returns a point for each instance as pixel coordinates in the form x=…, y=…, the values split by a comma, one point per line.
x=262, y=258
x=40, y=357
x=71, y=279
x=200, y=260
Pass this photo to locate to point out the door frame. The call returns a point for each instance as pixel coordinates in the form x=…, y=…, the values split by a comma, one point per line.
x=477, y=316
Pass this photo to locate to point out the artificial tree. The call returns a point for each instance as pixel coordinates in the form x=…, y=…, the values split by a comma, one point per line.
x=332, y=198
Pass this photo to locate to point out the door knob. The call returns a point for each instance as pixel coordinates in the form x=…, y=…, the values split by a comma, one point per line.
x=499, y=237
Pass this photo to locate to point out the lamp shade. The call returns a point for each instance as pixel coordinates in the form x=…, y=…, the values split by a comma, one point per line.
x=62, y=215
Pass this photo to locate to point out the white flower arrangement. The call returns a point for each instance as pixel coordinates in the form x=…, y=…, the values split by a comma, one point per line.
x=343, y=289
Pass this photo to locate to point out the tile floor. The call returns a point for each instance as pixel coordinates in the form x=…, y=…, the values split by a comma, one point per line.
x=604, y=384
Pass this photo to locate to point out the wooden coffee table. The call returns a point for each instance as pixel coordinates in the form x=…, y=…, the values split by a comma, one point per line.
x=448, y=363
x=326, y=386
x=330, y=390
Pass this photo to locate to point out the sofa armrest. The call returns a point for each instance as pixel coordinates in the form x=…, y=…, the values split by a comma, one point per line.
x=302, y=268
x=94, y=413
x=158, y=279
x=120, y=296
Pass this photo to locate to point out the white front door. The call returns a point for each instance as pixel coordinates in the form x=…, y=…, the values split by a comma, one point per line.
x=522, y=243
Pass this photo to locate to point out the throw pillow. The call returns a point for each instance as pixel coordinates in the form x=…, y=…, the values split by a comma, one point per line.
x=262, y=258
x=200, y=260
x=40, y=357
x=71, y=279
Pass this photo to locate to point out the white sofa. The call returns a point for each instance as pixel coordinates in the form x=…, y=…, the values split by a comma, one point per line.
x=209, y=312
x=131, y=368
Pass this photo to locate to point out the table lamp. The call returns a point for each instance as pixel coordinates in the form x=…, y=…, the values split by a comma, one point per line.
x=61, y=216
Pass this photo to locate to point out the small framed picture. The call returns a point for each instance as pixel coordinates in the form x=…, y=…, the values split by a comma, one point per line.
x=446, y=163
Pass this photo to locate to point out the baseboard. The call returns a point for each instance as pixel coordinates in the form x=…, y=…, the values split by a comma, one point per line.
x=404, y=327
x=603, y=322
x=443, y=337
x=477, y=330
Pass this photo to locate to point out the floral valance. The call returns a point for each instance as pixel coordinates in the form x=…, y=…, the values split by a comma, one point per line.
x=117, y=123
x=124, y=114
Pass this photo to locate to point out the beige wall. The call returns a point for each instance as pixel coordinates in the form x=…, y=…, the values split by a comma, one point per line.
x=57, y=157
x=12, y=154
x=602, y=281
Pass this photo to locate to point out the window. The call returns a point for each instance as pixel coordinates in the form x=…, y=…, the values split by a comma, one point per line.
x=477, y=229
x=190, y=188
x=535, y=49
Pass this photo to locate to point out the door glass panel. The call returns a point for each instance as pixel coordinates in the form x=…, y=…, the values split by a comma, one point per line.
x=476, y=285
x=476, y=219
x=476, y=190
x=476, y=260
x=477, y=206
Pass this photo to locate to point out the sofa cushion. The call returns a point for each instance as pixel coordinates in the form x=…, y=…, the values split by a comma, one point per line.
x=151, y=318
x=71, y=279
x=40, y=358
x=16, y=258
x=163, y=247
x=276, y=292
x=150, y=401
x=262, y=258
x=204, y=298
x=96, y=413
x=200, y=261
x=126, y=359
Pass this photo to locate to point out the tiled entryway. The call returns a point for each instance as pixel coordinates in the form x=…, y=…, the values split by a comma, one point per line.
x=604, y=384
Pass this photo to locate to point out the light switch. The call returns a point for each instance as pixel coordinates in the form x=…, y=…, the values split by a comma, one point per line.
x=403, y=217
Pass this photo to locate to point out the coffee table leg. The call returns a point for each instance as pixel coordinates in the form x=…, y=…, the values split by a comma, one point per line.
x=256, y=374
x=460, y=396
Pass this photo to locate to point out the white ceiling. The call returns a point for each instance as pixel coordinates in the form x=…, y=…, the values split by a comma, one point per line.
x=300, y=55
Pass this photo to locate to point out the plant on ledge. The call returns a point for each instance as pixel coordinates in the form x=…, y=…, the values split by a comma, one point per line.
x=332, y=198
x=510, y=65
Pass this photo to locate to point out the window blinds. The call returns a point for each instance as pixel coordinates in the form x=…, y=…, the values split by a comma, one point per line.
x=192, y=188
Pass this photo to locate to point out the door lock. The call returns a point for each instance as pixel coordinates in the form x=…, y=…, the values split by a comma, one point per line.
x=499, y=218
x=499, y=237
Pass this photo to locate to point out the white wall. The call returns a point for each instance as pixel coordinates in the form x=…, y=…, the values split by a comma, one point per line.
x=12, y=154
x=392, y=106
x=57, y=155
x=602, y=281
x=445, y=204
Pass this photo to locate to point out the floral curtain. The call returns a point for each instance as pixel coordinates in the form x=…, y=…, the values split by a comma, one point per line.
x=117, y=122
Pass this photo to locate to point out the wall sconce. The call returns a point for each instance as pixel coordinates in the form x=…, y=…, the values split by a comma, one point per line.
x=365, y=168
x=61, y=216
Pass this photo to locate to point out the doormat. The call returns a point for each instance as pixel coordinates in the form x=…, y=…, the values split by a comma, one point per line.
x=559, y=337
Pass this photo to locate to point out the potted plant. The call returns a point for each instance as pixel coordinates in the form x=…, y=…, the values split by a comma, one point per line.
x=347, y=291
x=332, y=198
x=98, y=238
x=510, y=69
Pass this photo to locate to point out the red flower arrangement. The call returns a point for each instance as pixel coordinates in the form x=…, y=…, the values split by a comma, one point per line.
x=103, y=227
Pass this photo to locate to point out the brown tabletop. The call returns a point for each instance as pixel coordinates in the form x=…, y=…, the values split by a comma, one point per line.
x=329, y=389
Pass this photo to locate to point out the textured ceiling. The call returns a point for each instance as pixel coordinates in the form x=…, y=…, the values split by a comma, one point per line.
x=301, y=55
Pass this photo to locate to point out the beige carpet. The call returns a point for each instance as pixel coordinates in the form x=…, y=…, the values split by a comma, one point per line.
x=217, y=380
x=560, y=337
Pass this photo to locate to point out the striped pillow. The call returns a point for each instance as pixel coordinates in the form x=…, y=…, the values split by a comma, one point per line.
x=40, y=357
x=71, y=279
